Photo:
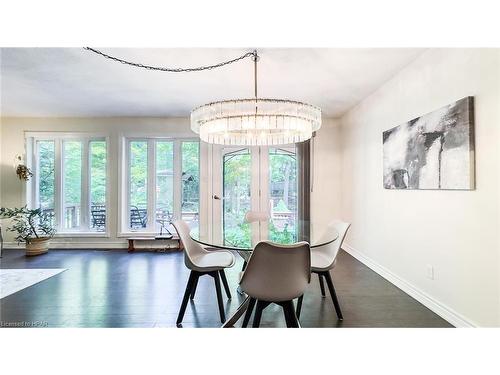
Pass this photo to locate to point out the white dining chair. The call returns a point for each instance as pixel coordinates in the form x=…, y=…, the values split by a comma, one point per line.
x=276, y=274
x=202, y=262
x=254, y=216
x=323, y=260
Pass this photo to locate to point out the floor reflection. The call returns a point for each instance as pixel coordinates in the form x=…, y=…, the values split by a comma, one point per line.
x=144, y=289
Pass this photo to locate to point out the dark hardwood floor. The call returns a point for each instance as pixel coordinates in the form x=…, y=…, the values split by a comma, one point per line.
x=144, y=289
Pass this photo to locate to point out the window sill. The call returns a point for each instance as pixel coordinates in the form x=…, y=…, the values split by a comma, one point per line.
x=137, y=234
x=82, y=234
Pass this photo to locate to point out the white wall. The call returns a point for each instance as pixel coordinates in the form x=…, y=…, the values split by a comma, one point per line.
x=325, y=171
x=400, y=232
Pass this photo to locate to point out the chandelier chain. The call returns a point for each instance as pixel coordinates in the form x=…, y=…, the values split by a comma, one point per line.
x=174, y=70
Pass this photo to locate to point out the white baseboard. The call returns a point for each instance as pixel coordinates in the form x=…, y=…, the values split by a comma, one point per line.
x=440, y=309
x=74, y=245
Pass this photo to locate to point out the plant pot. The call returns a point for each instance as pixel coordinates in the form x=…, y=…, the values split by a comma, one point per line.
x=37, y=246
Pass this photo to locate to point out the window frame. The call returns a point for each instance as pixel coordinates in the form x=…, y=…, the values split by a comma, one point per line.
x=32, y=139
x=124, y=229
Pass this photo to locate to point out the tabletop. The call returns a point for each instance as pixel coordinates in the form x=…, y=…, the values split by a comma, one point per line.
x=246, y=246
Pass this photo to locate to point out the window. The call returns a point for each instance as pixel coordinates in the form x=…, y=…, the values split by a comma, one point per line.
x=70, y=180
x=138, y=184
x=72, y=183
x=190, y=205
x=163, y=182
x=46, y=184
x=98, y=160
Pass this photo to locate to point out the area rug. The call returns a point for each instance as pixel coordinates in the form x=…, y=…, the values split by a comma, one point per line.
x=14, y=280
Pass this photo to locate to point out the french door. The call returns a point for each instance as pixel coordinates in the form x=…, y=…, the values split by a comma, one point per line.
x=262, y=179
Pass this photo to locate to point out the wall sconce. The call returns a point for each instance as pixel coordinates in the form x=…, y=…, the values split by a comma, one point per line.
x=22, y=171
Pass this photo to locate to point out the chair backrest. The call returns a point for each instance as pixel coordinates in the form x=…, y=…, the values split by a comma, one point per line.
x=332, y=249
x=253, y=216
x=277, y=272
x=192, y=249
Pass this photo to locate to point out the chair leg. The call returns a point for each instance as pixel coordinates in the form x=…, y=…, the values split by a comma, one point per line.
x=295, y=320
x=329, y=282
x=248, y=313
x=261, y=305
x=215, y=275
x=193, y=277
x=193, y=290
x=290, y=316
x=321, y=285
x=287, y=315
x=224, y=282
x=299, y=306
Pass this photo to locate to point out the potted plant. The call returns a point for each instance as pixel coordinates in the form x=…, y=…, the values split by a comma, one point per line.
x=33, y=227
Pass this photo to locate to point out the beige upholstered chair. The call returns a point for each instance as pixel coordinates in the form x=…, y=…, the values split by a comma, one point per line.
x=324, y=258
x=276, y=274
x=202, y=262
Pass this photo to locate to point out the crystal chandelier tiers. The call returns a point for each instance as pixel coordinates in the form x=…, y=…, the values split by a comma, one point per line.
x=256, y=121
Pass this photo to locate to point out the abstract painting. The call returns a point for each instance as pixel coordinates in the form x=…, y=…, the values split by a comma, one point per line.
x=433, y=151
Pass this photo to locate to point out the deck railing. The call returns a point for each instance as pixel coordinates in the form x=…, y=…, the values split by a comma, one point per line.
x=98, y=216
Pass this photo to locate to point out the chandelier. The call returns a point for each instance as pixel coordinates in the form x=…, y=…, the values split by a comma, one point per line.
x=246, y=122
x=255, y=121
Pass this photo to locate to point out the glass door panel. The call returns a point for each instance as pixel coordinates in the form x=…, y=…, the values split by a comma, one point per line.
x=282, y=195
x=236, y=202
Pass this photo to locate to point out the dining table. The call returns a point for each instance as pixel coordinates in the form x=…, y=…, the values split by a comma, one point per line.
x=245, y=248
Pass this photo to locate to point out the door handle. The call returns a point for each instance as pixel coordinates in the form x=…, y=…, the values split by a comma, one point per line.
x=215, y=196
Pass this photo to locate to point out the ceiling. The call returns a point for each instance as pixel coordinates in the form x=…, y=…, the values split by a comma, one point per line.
x=73, y=82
